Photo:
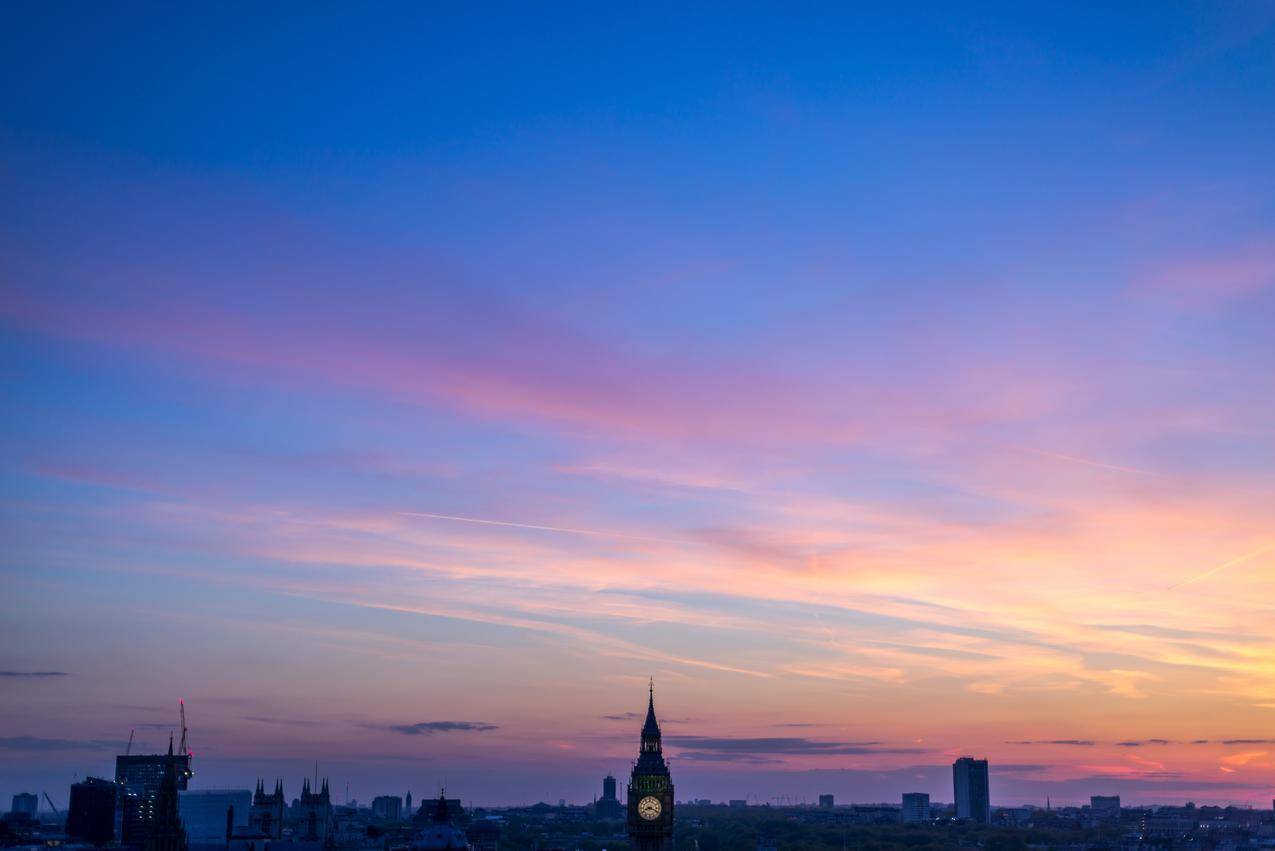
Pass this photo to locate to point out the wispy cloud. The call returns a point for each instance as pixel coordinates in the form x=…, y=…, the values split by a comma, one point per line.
x=282, y=722
x=32, y=743
x=789, y=746
x=427, y=728
x=34, y=674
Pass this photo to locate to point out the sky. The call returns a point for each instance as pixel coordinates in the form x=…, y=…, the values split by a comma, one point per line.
x=403, y=386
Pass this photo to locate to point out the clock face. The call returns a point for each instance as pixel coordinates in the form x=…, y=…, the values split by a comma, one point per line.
x=649, y=808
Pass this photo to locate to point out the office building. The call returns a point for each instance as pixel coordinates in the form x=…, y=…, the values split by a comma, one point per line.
x=971, y=786
x=609, y=806
x=25, y=804
x=139, y=777
x=827, y=801
x=90, y=816
x=389, y=807
x=916, y=808
x=1105, y=808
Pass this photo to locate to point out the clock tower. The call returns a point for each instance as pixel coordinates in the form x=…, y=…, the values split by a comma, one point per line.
x=651, y=790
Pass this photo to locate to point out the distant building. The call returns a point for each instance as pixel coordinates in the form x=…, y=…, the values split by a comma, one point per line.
x=441, y=834
x=164, y=831
x=407, y=804
x=139, y=777
x=970, y=783
x=265, y=817
x=25, y=804
x=426, y=813
x=90, y=816
x=916, y=808
x=827, y=801
x=1104, y=808
x=210, y=816
x=609, y=806
x=389, y=807
x=314, y=812
x=738, y=802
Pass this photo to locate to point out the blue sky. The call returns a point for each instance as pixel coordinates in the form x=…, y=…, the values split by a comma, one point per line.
x=369, y=368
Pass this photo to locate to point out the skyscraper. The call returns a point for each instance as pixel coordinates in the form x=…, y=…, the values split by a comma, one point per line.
x=608, y=806
x=139, y=777
x=970, y=784
x=164, y=831
x=651, y=789
x=90, y=815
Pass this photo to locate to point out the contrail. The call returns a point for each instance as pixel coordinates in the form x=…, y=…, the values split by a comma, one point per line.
x=1087, y=462
x=597, y=533
x=1206, y=574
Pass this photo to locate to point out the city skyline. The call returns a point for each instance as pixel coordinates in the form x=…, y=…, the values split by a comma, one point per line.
x=403, y=389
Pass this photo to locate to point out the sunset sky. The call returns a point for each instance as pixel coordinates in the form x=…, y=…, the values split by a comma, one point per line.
x=402, y=388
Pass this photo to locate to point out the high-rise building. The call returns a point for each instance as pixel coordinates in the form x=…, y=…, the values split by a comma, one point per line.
x=139, y=777
x=970, y=783
x=407, y=804
x=916, y=807
x=90, y=815
x=25, y=804
x=388, y=807
x=827, y=801
x=266, y=814
x=211, y=815
x=1105, y=808
x=164, y=831
x=608, y=806
x=651, y=790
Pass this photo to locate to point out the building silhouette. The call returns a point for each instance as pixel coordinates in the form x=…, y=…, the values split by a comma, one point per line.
x=441, y=834
x=1104, y=808
x=314, y=812
x=389, y=807
x=90, y=815
x=266, y=815
x=25, y=804
x=164, y=831
x=916, y=808
x=139, y=777
x=970, y=785
x=608, y=806
x=650, y=793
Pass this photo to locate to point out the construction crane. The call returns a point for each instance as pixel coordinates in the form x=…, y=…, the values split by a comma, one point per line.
x=185, y=747
x=128, y=749
x=49, y=801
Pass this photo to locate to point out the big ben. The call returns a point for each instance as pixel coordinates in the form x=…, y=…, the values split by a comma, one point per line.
x=651, y=790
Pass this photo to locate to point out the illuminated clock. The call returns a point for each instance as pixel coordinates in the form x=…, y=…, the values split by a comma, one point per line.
x=649, y=808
